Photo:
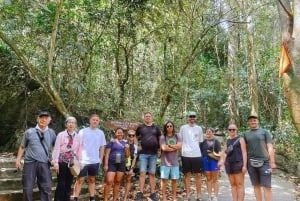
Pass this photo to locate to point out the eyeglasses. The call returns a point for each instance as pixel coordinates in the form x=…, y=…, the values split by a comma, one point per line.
x=169, y=126
x=192, y=116
x=231, y=129
x=131, y=135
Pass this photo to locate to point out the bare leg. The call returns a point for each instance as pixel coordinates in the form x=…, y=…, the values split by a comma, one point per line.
x=109, y=181
x=233, y=185
x=163, y=189
x=174, y=188
x=187, y=179
x=142, y=181
x=257, y=192
x=127, y=185
x=198, y=184
x=92, y=185
x=209, y=183
x=239, y=178
x=268, y=193
x=77, y=186
x=117, y=183
x=152, y=183
x=215, y=182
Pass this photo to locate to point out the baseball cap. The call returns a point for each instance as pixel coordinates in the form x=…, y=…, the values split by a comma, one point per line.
x=192, y=113
x=252, y=116
x=44, y=113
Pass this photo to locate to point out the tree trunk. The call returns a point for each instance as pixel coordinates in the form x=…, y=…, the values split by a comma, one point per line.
x=232, y=48
x=290, y=26
x=47, y=85
x=251, y=67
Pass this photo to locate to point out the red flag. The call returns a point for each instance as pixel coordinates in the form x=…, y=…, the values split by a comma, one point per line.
x=285, y=61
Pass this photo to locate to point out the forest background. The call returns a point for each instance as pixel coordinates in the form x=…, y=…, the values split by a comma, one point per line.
x=120, y=58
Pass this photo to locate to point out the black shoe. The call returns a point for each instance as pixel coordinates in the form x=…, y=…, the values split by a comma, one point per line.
x=139, y=196
x=154, y=197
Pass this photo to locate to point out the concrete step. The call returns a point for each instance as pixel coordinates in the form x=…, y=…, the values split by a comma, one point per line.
x=12, y=172
x=16, y=183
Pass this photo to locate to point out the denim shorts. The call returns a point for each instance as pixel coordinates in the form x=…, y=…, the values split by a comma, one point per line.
x=148, y=163
x=169, y=172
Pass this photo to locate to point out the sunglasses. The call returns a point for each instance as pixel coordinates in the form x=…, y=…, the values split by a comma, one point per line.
x=192, y=116
x=231, y=129
x=131, y=135
x=169, y=126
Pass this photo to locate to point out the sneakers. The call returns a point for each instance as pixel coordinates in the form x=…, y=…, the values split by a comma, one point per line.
x=198, y=199
x=139, y=196
x=186, y=199
x=154, y=197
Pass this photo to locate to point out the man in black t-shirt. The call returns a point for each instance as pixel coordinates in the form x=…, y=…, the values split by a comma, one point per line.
x=148, y=135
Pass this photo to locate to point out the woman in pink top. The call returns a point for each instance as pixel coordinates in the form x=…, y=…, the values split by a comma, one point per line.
x=66, y=147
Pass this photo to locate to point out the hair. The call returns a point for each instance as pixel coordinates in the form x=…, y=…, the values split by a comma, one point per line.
x=165, y=128
x=211, y=129
x=70, y=118
x=119, y=128
x=147, y=113
x=94, y=115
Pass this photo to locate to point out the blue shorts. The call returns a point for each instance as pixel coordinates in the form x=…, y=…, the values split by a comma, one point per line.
x=89, y=170
x=148, y=163
x=169, y=172
x=260, y=175
x=209, y=164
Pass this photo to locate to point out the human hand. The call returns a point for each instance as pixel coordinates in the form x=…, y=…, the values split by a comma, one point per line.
x=273, y=165
x=19, y=164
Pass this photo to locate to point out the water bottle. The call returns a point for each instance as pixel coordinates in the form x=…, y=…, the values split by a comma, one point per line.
x=118, y=157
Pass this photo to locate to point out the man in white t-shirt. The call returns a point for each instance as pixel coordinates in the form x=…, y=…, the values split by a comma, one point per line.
x=191, y=135
x=92, y=145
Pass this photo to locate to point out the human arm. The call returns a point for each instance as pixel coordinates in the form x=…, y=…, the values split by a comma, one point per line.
x=244, y=154
x=55, y=152
x=271, y=155
x=107, y=153
x=102, y=149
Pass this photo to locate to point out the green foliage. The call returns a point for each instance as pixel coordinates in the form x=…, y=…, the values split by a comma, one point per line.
x=287, y=141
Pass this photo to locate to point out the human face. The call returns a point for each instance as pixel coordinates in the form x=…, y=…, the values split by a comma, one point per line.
x=232, y=130
x=119, y=134
x=71, y=125
x=253, y=123
x=148, y=118
x=209, y=134
x=131, y=137
x=169, y=127
x=94, y=121
x=192, y=119
x=43, y=121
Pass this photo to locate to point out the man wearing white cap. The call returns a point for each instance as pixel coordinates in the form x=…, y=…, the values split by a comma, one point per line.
x=191, y=135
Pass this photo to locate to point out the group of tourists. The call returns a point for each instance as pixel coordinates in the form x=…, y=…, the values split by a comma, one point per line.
x=199, y=155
